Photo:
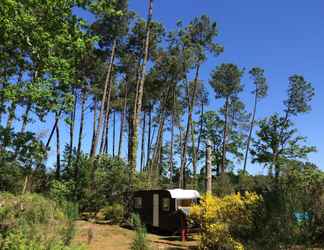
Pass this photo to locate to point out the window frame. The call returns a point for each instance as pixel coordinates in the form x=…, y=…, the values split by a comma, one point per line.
x=168, y=207
x=138, y=202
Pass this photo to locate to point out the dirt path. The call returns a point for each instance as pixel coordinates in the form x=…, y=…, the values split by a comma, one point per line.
x=111, y=237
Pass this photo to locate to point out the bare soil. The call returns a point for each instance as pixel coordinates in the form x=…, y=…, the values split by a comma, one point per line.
x=112, y=237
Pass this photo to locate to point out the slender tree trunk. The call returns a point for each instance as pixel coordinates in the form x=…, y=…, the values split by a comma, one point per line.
x=72, y=117
x=138, y=102
x=192, y=104
x=223, y=166
x=107, y=135
x=107, y=87
x=143, y=141
x=94, y=122
x=105, y=131
x=250, y=131
x=52, y=131
x=201, y=127
x=160, y=164
x=130, y=133
x=155, y=165
x=171, y=148
x=278, y=148
x=122, y=122
x=181, y=172
x=114, y=134
x=80, y=136
x=58, y=151
x=148, y=153
x=183, y=161
x=101, y=148
x=208, y=168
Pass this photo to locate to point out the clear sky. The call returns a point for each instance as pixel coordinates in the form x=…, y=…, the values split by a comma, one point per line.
x=284, y=37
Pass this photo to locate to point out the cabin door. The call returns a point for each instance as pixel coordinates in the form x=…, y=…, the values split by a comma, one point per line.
x=155, y=210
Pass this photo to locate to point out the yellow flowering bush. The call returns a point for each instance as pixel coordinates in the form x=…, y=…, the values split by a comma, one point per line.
x=219, y=216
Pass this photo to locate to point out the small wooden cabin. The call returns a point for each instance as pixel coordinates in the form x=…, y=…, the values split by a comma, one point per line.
x=164, y=209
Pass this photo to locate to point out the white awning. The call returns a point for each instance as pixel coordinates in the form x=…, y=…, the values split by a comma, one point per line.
x=182, y=194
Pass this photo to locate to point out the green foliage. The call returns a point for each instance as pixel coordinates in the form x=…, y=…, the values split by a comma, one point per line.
x=226, y=80
x=140, y=242
x=277, y=142
x=31, y=221
x=51, y=59
x=261, y=86
x=114, y=213
x=300, y=94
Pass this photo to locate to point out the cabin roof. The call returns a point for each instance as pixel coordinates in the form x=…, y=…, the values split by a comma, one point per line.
x=179, y=193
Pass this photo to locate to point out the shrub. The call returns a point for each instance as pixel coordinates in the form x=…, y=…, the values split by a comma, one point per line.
x=222, y=219
x=33, y=222
x=114, y=213
x=140, y=241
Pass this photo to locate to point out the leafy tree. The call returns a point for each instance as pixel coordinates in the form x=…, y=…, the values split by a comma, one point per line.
x=259, y=92
x=277, y=142
x=226, y=81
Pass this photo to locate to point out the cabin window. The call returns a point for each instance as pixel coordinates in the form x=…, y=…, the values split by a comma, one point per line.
x=186, y=202
x=166, y=204
x=138, y=202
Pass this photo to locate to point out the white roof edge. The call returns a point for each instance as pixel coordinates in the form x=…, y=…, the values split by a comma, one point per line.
x=179, y=193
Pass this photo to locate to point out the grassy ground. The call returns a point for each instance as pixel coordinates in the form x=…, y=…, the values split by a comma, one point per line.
x=111, y=237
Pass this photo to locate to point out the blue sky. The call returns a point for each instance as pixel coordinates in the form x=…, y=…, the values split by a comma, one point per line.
x=283, y=37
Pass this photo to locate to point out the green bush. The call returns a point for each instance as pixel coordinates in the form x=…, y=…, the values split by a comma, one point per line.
x=140, y=242
x=31, y=221
x=114, y=213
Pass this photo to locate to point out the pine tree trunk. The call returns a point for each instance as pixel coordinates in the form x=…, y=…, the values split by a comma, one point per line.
x=122, y=122
x=138, y=101
x=72, y=117
x=94, y=122
x=155, y=165
x=148, y=152
x=208, y=168
x=181, y=172
x=201, y=127
x=107, y=87
x=130, y=133
x=114, y=134
x=183, y=161
x=192, y=104
x=171, y=147
x=80, y=136
x=250, y=132
x=143, y=142
x=58, y=151
x=223, y=166
x=106, y=136
x=105, y=131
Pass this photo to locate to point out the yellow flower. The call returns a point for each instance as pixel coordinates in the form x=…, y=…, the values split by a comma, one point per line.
x=217, y=216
